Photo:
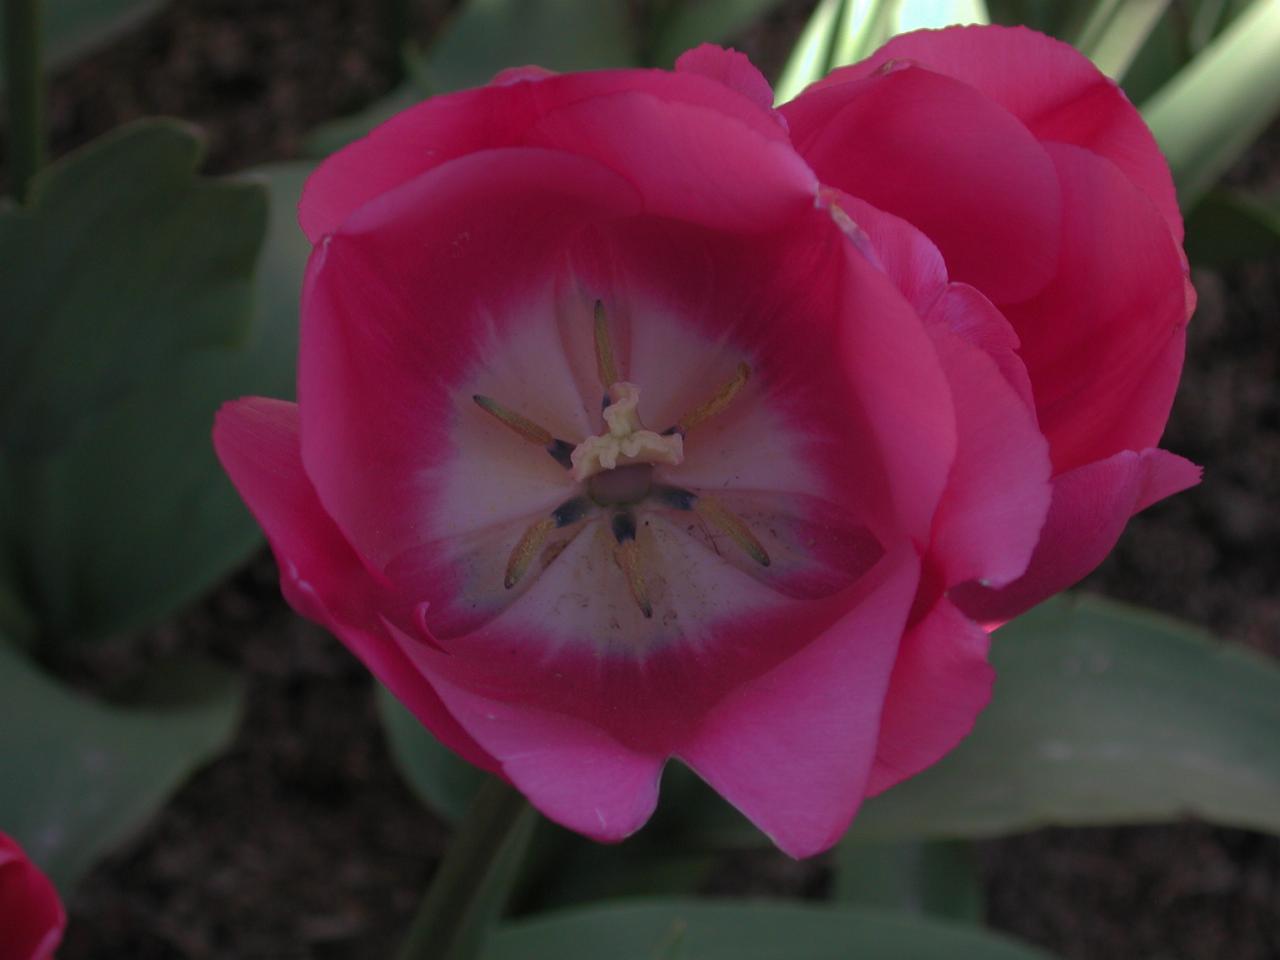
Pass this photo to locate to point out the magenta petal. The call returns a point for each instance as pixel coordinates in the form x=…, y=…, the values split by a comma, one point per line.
x=939, y=154
x=497, y=116
x=32, y=918
x=1049, y=85
x=792, y=749
x=729, y=67
x=1090, y=508
x=1104, y=342
x=941, y=682
x=687, y=161
x=573, y=771
x=906, y=255
x=402, y=302
x=998, y=492
x=320, y=574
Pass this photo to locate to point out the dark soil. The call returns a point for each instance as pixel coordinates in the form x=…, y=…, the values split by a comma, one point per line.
x=303, y=842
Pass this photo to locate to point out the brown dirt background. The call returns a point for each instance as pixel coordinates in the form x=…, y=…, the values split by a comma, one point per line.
x=303, y=842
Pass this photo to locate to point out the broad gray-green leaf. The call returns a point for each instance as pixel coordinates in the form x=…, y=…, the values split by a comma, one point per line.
x=336, y=134
x=705, y=930
x=123, y=260
x=487, y=36
x=1230, y=226
x=441, y=780
x=939, y=878
x=1215, y=107
x=1102, y=714
x=704, y=21
x=134, y=517
x=75, y=27
x=78, y=776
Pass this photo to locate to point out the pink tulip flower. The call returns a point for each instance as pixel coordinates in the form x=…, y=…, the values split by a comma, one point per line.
x=637, y=420
x=31, y=915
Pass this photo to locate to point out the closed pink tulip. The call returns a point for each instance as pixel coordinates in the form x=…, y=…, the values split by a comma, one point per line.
x=31, y=915
x=637, y=420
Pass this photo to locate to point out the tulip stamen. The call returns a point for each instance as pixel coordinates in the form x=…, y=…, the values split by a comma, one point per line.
x=606, y=360
x=526, y=429
x=532, y=540
x=718, y=403
x=733, y=526
x=627, y=555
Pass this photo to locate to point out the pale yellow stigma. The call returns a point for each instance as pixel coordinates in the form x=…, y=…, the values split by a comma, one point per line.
x=627, y=441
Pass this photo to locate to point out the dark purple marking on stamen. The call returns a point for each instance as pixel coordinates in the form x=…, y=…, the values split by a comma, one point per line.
x=561, y=451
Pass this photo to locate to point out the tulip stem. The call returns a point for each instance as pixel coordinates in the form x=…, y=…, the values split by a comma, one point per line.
x=24, y=85
x=472, y=882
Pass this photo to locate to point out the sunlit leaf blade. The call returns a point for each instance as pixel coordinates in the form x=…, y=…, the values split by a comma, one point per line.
x=487, y=36
x=73, y=28
x=78, y=776
x=1215, y=107
x=707, y=930
x=704, y=21
x=133, y=517
x=123, y=260
x=1116, y=31
x=939, y=878
x=810, y=59
x=1231, y=226
x=1103, y=714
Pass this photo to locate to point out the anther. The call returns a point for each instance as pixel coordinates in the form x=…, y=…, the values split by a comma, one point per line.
x=526, y=429
x=627, y=553
x=718, y=403
x=677, y=498
x=606, y=362
x=730, y=524
x=528, y=546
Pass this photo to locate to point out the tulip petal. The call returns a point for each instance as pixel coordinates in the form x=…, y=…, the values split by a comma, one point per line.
x=419, y=290
x=1047, y=84
x=573, y=771
x=998, y=493
x=793, y=749
x=939, y=154
x=32, y=918
x=729, y=67
x=320, y=574
x=941, y=682
x=1104, y=342
x=1091, y=505
x=501, y=115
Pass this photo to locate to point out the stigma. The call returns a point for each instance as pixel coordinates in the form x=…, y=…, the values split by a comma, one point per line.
x=626, y=442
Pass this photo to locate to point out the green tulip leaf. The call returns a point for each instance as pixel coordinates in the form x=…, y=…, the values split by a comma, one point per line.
x=443, y=781
x=487, y=36
x=703, y=930
x=73, y=28
x=79, y=776
x=939, y=878
x=707, y=21
x=1102, y=714
x=841, y=32
x=1117, y=30
x=123, y=260
x=1213, y=109
x=131, y=519
x=1231, y=226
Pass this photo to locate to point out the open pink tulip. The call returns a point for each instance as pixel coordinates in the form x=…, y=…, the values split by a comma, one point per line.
x=638, y=420
x=31, y=915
